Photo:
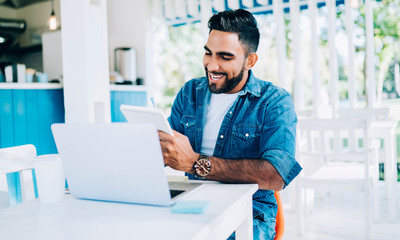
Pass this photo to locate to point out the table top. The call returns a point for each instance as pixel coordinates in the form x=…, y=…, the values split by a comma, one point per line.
x=84, y=219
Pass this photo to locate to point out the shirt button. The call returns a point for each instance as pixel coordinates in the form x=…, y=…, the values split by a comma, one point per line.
x=199, y=129
x=247, y=135
x=230, y=112
x=187, y=124
x=221, y=136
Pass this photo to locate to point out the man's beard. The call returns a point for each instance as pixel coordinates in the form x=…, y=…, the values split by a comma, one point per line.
x=228, y=85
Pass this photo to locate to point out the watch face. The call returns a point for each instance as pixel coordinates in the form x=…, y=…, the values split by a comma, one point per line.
x=203, y=167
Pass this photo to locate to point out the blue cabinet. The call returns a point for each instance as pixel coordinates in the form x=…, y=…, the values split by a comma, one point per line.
x=137, y=98
x=26, y=116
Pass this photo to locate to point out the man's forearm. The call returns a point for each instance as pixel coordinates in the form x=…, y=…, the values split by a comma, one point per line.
x=257, y=171
x=179, y=155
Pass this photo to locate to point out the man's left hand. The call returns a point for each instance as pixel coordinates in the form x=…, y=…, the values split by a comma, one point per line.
x=177, y=151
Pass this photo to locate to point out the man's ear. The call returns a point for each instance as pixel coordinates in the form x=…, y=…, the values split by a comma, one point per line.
x=251, y=60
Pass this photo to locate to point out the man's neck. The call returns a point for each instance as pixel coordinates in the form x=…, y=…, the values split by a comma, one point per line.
x=242, y=83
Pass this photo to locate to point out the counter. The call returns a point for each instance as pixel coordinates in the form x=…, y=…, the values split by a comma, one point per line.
x=27, y=112
x=34, y=85
x=126, y=94
x=27, y=109
x=129, y=88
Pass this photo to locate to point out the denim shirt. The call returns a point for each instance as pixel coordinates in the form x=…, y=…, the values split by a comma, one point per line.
x=261, y=124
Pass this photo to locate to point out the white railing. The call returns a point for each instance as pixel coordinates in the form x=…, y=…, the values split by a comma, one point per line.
x=186, y=11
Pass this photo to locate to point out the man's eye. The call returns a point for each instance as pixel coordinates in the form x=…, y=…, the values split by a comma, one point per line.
x=226, y=58
x=208, y=53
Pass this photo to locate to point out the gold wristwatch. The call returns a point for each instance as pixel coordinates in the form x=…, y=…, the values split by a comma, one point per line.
x=202, y=166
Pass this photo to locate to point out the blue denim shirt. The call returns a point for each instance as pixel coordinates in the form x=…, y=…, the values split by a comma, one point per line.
x=261, y=124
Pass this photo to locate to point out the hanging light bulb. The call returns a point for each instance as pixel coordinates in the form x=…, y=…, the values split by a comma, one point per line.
x=52, y=19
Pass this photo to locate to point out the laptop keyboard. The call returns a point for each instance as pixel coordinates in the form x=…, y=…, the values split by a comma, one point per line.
x=175, y=193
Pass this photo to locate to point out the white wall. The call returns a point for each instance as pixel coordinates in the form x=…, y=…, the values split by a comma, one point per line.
x=85, y=61
x=127, y=27
x=52, y=54
x=6, y=12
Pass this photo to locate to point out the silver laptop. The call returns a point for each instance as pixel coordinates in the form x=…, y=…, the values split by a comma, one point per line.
x=118, y=162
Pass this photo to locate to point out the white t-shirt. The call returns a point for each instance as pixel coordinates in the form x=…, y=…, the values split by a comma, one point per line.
x=217, y=109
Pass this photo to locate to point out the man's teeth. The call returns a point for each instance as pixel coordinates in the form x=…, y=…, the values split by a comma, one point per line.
x=216, y=77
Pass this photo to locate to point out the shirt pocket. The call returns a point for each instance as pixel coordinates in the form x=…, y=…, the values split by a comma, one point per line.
x=245, y=141
x=189, y=125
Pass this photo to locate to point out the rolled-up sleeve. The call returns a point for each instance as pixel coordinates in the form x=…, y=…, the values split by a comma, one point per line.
x=176, y=113
x=278, y=139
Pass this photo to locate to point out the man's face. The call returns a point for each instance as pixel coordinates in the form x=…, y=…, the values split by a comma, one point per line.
x=224, y=62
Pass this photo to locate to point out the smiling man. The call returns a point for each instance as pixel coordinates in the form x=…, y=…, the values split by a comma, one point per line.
x=232, y=127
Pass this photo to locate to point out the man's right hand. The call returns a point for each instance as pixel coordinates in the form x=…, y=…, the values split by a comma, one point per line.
x=177, y=151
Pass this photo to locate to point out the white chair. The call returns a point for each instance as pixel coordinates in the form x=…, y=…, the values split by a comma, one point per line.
x=15, y=163
x=371, y=113
x=336, y=156
x=382, y=132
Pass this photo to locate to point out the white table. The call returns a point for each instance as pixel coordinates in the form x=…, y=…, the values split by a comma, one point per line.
x=230, y=209
x=386, y=130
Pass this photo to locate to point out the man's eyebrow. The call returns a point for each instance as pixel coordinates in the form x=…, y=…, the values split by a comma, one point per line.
x=225, y=54
x=220, y=53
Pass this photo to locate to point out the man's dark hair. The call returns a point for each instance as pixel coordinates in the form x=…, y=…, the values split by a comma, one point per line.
x=240, y=22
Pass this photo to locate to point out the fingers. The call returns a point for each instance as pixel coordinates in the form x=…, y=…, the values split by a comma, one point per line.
x=177, y=134
x=164, y=136
x=166, y=147
x=164, y=150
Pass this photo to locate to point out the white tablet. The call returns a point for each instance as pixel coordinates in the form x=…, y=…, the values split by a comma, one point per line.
x=136, y=114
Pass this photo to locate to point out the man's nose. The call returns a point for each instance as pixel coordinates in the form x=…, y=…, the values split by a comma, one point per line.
x=212, y=66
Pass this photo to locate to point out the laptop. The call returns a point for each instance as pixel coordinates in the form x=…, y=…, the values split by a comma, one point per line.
x=118, y=162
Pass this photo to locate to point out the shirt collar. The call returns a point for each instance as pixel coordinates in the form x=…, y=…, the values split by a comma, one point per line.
x=252, y=86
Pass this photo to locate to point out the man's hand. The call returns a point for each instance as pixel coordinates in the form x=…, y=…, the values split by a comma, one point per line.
x=177, y=151
x=179, y=155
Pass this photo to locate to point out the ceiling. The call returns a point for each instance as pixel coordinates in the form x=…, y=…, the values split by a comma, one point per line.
x=19, y=3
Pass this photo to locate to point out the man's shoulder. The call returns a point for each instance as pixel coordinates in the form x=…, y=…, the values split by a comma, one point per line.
x=268, y=89
x=195, y=83
x=192, y=89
